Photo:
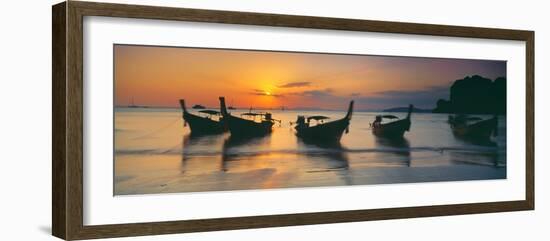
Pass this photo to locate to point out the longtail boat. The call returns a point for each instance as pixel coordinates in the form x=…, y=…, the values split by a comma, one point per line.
x=394, y=129
x=202, y=125
x=247, y=127
x=323, y=132
x=473, y=127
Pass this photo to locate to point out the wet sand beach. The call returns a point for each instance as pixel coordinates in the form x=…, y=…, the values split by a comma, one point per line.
x=155, y=153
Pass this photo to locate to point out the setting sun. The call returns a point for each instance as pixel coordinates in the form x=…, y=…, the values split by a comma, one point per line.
x=160, y=76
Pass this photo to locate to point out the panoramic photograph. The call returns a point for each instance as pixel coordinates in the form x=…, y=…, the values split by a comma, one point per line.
x=203, y=119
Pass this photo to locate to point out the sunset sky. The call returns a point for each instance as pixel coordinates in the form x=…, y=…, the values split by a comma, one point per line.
x=159, y=76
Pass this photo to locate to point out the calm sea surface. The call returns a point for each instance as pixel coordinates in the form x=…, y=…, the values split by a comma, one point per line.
x=154, y=153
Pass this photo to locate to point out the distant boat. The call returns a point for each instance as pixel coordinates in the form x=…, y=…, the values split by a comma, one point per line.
x=247, y=127
x=473, y=127
x=201, y=125
x=395, y=129
x=198, y=107
x=133, y=105
x=230, y=107
x=323, y=132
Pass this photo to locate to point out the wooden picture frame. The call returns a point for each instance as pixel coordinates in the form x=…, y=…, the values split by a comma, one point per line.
x=67, y=124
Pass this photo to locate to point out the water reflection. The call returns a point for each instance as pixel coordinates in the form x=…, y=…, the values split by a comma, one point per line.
x=237, y=148
x=333, y=154
x=326, y=157
x=476, y=141
x=399, y=148
x=489, y=158
x=195, y=149
x=191, y=142
x=170, y=159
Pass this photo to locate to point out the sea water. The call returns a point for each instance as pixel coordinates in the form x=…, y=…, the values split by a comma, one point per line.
x=155, y=153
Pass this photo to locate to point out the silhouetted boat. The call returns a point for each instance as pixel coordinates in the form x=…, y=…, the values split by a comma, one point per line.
x=323, y=132
x=245, y=127
x=230, y=107
x=198, y=107
x=133, y=105
x=201, y=125
x=395, y=129
x=473, y=127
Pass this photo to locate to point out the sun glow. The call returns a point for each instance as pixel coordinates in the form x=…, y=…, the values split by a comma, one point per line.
x=154, y=76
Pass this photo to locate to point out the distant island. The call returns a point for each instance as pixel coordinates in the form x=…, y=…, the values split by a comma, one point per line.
x=475, y=95
x=137, y=106
x=406, y=109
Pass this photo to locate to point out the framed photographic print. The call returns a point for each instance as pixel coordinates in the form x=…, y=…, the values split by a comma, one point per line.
x=170, y=120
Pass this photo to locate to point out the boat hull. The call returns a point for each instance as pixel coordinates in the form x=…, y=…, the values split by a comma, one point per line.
x=203, y=125
x=481, y=130
x=330, y=132
x=327, y=132
x=242, y=127
x=394, y=129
